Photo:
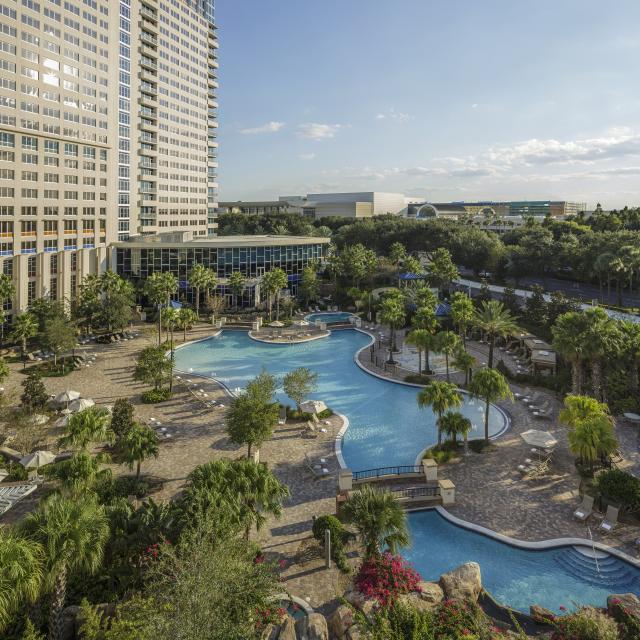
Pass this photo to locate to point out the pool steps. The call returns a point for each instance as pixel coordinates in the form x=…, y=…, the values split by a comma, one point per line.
x=598, y=571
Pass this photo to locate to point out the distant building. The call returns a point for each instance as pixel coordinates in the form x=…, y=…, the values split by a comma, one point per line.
x=258, y=207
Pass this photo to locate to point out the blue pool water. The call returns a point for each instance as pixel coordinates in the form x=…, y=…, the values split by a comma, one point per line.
x=386, y=427
x=517, y=577
x=330, y=317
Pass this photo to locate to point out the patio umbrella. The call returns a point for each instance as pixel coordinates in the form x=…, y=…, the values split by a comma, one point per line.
x=313, y=406
x=81, y=404
x=37, y=459
x=537, y=438
x=303, y=323
x=277, y=323
x=67, y=397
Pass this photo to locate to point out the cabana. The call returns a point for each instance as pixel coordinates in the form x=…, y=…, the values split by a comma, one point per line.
x=543, y=359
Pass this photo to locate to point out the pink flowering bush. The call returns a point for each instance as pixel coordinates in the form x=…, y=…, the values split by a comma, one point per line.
x=586, y=624
x=385, y=577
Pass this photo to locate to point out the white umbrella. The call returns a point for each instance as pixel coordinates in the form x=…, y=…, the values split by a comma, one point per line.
x=277, y=323
x=537, y=438
x=67, y=396
x=37, y=459
x=81, y=404
x=303, y=323
x=313, y=406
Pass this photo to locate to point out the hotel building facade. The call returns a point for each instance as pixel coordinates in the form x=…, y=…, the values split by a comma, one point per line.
x=108, y=130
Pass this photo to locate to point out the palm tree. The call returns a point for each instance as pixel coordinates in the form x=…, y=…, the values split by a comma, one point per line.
x=448, y=343
x=392, y=314
x=462, y=312
x=201, y=278
x=592, y=439
x=73, y=533
x=421, y=339
x=464, y=361
x=453, y=423
x=569, y=340
x=80, y=473
x=494, y=320
x=7, y=292
x=440, y=396
x=87, y=426
x=603, y=339
x=491, y=386
x=169, y=320
x=631, y=349
x=25, y=326
x=137, y=445
x=274, y=281
x=602, y=265
x=186, y=318
x=578, y=409
x=159, y=288
x=379, y=519
x=21, y=571
x=237, y=283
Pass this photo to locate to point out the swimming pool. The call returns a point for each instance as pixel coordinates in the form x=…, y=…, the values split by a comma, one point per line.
x=330, y=317
x=518, y=577
x=386, y=427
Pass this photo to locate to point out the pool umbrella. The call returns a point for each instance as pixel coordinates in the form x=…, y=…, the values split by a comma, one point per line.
x=81, y=404
x=537, y=438
x=303, y=323
x=313, y=406
x=277, y=323
x=67, y=396
x=37, y=459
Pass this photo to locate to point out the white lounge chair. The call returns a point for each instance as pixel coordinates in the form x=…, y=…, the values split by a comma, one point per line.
x=583, y=512
x=610, y=520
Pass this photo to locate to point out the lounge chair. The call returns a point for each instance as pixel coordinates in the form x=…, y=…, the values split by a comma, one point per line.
x=319, y=470
x=544, y=414
x=585, y=509
x=610, y=520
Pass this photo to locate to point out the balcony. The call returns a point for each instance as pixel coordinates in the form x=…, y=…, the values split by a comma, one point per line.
x=148, y=51
x=149, y=26
x=148, y=125
x=148, y=76
x=147, y=100
x=148, y=152
x=148, y=88
x=148, y=39
x=149, y=13
x=147, y=63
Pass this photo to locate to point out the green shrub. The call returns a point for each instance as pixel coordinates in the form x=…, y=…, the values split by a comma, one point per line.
x=339, y=538
x=478, y=446
x=443, y=453
x=620, y=487
x=323, y=415
x=154, y=396
x=110, y=489
x=586, y=624
x=15, y=470
x=416, y=378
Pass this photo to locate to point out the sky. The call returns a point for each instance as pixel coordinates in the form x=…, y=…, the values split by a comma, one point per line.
x=441, y=99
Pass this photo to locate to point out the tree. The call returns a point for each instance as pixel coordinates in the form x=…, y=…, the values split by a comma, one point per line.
x=454, y=424
x=237, y=283
x=569, y=340
x=379, y=519
x=308, y=287
x=494, y=320
x=263, y=387
x=185, y=318
x=121, y=417
x=115, y=312
x=21, y=571
x=392, y=314
x=603, y=339
x=201, y=278
x=273, y=282
x=250, y=420
x=440, y=397
x=92, y=425
x=25, y=327
x=88, y=304
x=578, y=409
x=536, y=308
x=80, y=473
x=462, y=312
x=4, y=370
x=442, y=270
x=464, y=361
x=299, y=383
x=592, y=439
x=422, y=340
x=73, y=533
x=510, y=301
x=138, y=444
x=448, y=343
x=491, y=386
x=397, y=253
x=35, y=396
x=159, y=288
x=7, y=292
x=153, y=367
x=356, y=263
x=248, y=489
x=58, y=336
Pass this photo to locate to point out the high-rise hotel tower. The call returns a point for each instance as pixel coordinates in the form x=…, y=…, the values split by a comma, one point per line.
x=107, y=129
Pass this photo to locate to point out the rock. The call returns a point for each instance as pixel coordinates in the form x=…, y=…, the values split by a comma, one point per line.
x=415, y=602
x=369, y=608
x=431, y=592
x=540, y=614
x=463, y=583
x=287, y=629
x=312, y=627
x=624, y=607
x=356, y=633
x=355, y=598
x=270, y=632
x=340, y=621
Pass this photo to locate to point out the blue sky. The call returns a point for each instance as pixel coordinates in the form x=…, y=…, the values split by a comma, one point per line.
x=446, y=99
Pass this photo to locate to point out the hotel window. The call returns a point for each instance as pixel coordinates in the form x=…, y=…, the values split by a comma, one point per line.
x=7, y=268
x=29, y=193
x=51, y=211
x=6, y=229
x=28, y=227
x=7, y=139
x=29, y=143
x=31, y=291
x=69, y=244
x=29, y=211
x=6, y=248
x=29, y=246
x=53, y=288
x=50, y=245
x=6, y=210
x=53, y=265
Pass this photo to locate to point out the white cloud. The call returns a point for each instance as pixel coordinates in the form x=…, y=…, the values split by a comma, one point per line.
x=318, y=131
x=269, y=127
x=474, y=105
x=392, y=114
x=307, y=156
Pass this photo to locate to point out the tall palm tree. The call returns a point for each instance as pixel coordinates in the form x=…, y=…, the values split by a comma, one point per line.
x=462, y=312
x=603, y=339
x=274, y=281
x=491, y=386
x=440, y=396
x=631, y=349
x=592, y=439
x=25, y=326
x=602, y=266
x=569, y=340
x=21, y=572
x=80, y=473
x=201, y=278
x=494, y=320
x=578, y=409
x=448, y=343
x=421, y=339
x=454, y=424
x=392, y=313
x=185, y=318
x=237, y=284
x=73, y=533
x=379, y=519
x=464, y=361
x=159, y=288
x=138, y=444
x=86, y=427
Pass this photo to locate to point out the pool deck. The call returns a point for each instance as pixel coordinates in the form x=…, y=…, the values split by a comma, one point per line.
x=266, y=338
x=490, y=490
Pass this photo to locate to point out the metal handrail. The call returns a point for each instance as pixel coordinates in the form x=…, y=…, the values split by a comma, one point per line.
x=386, y=471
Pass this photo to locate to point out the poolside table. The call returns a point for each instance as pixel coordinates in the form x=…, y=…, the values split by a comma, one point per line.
x=632, y=417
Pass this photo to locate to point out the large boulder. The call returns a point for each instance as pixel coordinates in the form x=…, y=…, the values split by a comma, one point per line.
x=540, y=614
x=356, y=633
x=287, y=629
x=463, y=583
x=340, y=621
x=415, y=602
x=355, y=598
x=624, y=607
x=312, y=627
x=431, y=592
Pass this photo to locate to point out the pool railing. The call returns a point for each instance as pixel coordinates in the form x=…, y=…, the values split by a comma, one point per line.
x=385, y=472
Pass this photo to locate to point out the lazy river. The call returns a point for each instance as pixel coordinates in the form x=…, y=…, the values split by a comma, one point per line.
x=386, y=427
